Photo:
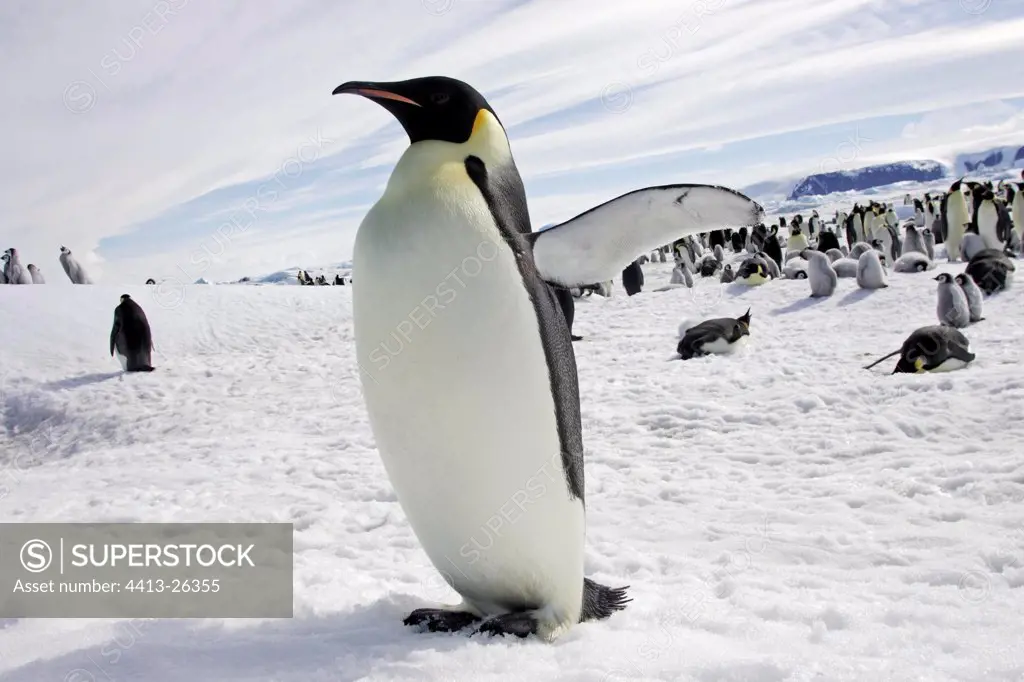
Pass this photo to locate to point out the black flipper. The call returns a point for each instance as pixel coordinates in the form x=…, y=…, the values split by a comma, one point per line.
x=599, y=602
x=520, y=624
x=960, y=353
x=440, y=620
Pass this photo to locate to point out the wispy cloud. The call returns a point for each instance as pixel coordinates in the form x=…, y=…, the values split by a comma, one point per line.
x=137, y=125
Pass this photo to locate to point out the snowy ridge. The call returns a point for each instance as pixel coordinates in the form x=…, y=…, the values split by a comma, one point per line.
x=781, y=515
x=996, y=159
x=868, y=177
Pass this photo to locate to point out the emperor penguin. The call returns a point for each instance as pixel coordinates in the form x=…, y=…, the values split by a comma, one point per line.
x=728, y=276
x=834, y=254
x=913, y=261
x=928, y=237
x=913, y=240
x=856, y=225
x=987, y=219
x=919, y=213
x=72, y=267
x=509, y=425
x=971, y=245
x=131, y=340
x=827, y=240
x=1017, y=211
x=35, y=274
x=992, y=270
x=4, y=258
x=956, y=219
x=633, y=278
x=952, y=307
x=720, y=336
x=938, y=348
x=975, y=299
x=870, y=273
x=891, y=219
x=16, y=273
x=820, y=273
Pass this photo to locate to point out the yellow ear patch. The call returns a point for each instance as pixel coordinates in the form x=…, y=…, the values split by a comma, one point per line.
x=484, y=119
x=919, y=364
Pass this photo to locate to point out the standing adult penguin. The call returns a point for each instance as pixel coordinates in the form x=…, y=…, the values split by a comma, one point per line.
x=567, y=304
x=986, y=219
x=131, y=340
x=952, y=307
x=633, y=278
x=72, y=268
x=456, y=196
x=1017, y=211
x=956, y=218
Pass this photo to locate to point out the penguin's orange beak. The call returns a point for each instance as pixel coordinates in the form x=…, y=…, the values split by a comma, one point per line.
x=372, y=91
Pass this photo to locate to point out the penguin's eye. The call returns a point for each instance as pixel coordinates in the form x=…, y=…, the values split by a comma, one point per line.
x=439, y=98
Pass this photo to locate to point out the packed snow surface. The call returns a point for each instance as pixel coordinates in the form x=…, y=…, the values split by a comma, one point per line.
x=781, y=514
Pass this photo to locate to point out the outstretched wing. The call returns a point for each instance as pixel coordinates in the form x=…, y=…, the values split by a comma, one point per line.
x=596, y=245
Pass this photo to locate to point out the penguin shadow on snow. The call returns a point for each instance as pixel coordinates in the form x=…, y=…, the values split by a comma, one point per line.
x=856, y=295
x=799, y=305
x=78, y=382
x=367, y=641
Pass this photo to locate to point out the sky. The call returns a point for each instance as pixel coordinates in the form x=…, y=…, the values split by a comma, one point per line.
x=185, y=139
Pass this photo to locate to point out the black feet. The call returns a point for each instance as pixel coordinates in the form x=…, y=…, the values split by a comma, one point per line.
x=518, y=624
x=599, y=602
x=439, y=620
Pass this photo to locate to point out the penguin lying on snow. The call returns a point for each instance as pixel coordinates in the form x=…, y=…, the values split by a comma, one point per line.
x=937, y=348
x=753, y=272
x=913, y=261
x=456, y=195
x=130, y=337
x=721, y=335
x=992, y=270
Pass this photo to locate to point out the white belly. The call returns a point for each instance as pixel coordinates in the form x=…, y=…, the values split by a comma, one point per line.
x=988, y=219
x=722, y=347
x=956, y=221
x=121, y=359
x=949, y=365
x=459, y=398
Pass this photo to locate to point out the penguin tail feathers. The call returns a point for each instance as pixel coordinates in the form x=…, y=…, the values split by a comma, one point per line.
x=600, y=602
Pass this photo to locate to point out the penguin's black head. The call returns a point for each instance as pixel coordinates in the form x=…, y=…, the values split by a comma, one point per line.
x=433, y=108
x=944, y=278
x=124, y=297
x=955, y=186
x=744, y=323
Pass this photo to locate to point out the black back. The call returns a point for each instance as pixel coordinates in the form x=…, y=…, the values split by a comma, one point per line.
x=633, y=278
x=131, y=335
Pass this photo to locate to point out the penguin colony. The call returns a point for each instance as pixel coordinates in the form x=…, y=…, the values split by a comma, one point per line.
x=459, y=174
x=974, y=223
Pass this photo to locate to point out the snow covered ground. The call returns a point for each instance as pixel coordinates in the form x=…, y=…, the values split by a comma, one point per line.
x=782, y=515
